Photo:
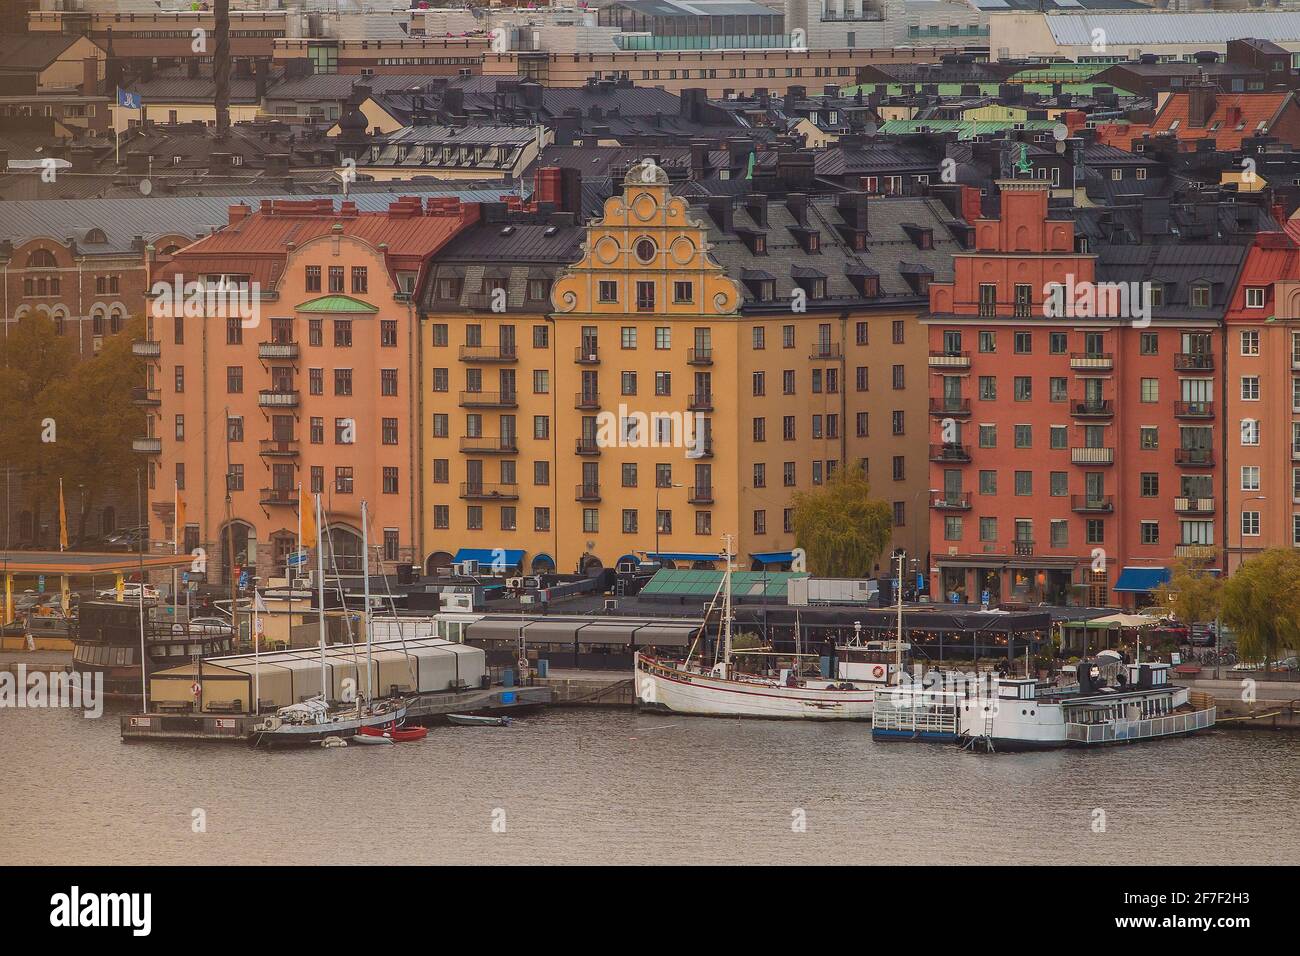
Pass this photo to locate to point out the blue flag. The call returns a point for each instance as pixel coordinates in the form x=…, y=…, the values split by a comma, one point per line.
x=130, y=101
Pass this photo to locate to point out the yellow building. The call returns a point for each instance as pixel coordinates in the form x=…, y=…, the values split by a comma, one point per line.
x=674, y=371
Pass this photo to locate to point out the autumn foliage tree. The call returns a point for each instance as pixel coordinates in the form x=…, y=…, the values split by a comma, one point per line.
x=68, y=418
x=840, y=527
x=1261, y=603
x=1192, y=594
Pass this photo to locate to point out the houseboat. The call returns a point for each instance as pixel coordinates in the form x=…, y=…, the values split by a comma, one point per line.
x=1013, y=713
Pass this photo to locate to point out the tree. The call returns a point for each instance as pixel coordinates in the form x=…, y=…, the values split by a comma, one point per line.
x=1261, y=603
x=840, y=527
x=1192, y=594
x=33, y=358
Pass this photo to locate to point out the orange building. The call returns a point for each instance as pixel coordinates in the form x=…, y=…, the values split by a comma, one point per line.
x=297, y=366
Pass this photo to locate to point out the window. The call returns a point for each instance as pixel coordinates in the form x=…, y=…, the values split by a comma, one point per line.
x=388, y=333
x=541, y=519
x=180, y=427
x=541, y=337
x=663, y=338
x=1149, y=484
x=313, y=278
x=441, y=471
x=760, y=384
x=315, y=333
x=1150, y=531
x=627, y=337
x=1254, y=300
x=1250, y=523
x=607, y=291
x=1250, y=477
x=336, y=278
x=343, y=480
x=988, y=436
x=1200, y=296
x=1250, y=388
x=629, y=521
x=360, y=282
x=1058, y=437
x=441, y=517
x=388, y=381
x=234, y=428
x=388, y=431
x=441, y=429
x=988, y=482
x=645, y=296
x=390, y=480
x=1249, y=431
x=1250, y=341
x=759, y=338
x=235, y=379
x=760, y=522
x=988, y=341
x=1024, y=343
x=896, y=422
x=343, y=381
x=234, y=330
x=1150, y=390
x=1149, y=343
x=1149, y=437
x=1057, y=343
x=343, y=333
x=316, y=381
x=1024, y=483
x=988, y=388
x=683, y=292
x=663, y=383
x=1024, y=388
x=235, y=478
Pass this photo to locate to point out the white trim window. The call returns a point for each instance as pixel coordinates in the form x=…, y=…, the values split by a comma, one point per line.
x=1250, y=524
x=1250, y=477
x=1254, y=300
x=1249, y=341
x=1249, y=431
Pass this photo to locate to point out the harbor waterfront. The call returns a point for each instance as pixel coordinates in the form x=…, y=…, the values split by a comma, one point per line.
x=606, y=786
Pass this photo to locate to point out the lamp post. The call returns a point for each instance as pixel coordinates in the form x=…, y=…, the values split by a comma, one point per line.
x=658, y=488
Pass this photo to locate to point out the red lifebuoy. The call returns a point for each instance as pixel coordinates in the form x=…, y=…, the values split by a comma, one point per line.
x=877, y=671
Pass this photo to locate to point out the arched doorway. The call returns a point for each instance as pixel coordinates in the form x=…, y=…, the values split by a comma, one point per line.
x=542, y=564
x=345, y=550
x=234, y=541
x=439, y=559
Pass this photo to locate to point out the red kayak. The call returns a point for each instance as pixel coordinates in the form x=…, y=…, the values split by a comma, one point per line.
x=396, y=734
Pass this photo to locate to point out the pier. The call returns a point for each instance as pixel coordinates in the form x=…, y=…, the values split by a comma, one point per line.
x=1276, y=705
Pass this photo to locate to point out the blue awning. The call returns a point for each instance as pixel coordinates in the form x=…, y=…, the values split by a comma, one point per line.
x=543, y=561
x=485, y=556
x=683, y=555
x=772, y=557
x=1138, y=580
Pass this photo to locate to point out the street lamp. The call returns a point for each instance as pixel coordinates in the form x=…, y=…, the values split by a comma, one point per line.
x=658, y=488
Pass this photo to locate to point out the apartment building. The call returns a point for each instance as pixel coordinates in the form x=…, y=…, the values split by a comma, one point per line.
x=1070, y=448
x=672, y=372
x=304, y=373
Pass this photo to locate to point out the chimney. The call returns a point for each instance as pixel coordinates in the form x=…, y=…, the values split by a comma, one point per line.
x=90, y=76
x=797, y=203
x=756, y=206
x=1200, y=104
x=218, y=163
x=277, y=164
x=261, y=74
x=237, y=213
x=720, y=209
x=549, y=187
x=192, y=68
x=699, y=160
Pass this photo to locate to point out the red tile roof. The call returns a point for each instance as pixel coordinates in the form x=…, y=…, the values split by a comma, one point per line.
x=1235, y=116
x=1272, y=256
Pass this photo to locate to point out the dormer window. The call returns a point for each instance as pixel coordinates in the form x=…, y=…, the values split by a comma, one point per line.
x=756, y=242
x=761, y=285
x=1200, y=296
x=810, y=240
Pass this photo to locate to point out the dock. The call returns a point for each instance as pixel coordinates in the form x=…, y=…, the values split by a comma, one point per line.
x=425, y=709
x=1276, y=705
x=583, y=688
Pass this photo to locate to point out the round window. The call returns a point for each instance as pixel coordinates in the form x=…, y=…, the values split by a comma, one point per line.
x=645, y=250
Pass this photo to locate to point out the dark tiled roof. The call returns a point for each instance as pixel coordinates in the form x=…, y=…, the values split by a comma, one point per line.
x=23, y=52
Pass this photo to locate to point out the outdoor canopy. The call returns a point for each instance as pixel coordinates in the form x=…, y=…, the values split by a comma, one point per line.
x=1137, y=580
x=772, y=557
x=512, y=556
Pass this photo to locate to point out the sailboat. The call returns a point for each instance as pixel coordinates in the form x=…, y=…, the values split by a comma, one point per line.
x=722, y=689
x=313, y=720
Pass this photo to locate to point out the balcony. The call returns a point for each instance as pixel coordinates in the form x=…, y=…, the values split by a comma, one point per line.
x=277, y=350
x=1194, y=457
x=478, y=491
x=1097, y=408
x=147, y=446
x=954, y=407
x=1023, y=549
x=585, y=492
x=952, y=501
x=586, y=446
x=1092, y=361
x=1092, y=504
x=489, y=445
x=950, y=453
x=279, y=496
x=947, y=359
x=702, y=356
x=278, y=398
x=146, y=397
x=1199, y=410
x=151, y=350
x=703, y=448
x=700, y=402
x=489, y=353
x=1295, y=452
x=1193, y=362
x=489, y=399
x=1194, y=506
x=589, y=401
x=825, y=352
x=1199, y=552
x=699, y=495
x=278, y=448
x=1092, y=456
x=587, y=354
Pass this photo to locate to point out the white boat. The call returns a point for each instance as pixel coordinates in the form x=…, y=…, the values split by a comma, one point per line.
x=368, y=739
x=1017, y=713
x=312, y=721
x=722, y=689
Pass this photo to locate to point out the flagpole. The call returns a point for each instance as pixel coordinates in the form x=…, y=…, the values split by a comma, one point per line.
x=320, y=569
x=257, y=660
x=176, y=549
x=63, y=520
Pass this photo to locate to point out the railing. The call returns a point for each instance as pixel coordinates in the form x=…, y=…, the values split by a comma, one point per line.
x=1100, y=408
x=586, y=492
x=1140, y=729
x=904, y=711
x=699, y=495
x=1023, y=549
x=701, y=356
x=952, y=501
x=824, y=351
x=147, y=349
x=147, y=446
x=1092, y=360
x=488, y=445
x=950, y=406
x=488, y=399
x=1193, y=409
x=587, y=355
x=586, y=446
x=477, y=489
x=277, y=350
x=146, y=396
x=587, y=400
x=488, y=353
x=278, y=448
x=947, y=359
x=1194, y=457
x=1093, y=503
x=1196, y=551
x=700, y=402
x=1194, y=505
x=279, y=496
x=277, y=398
x=1193, y=361
x=950, y=453
x=1092, y=456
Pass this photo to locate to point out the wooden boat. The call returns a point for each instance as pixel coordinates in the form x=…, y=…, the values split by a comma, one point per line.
x=391, y=733
x=363, y=736
x=468, y=720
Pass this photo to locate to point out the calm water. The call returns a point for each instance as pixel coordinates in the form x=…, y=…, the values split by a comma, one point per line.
x=618, y=787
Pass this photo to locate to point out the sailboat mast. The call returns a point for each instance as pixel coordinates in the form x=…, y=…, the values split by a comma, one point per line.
x=726, y=607
x=898, y=636
x=320, y=591
x=365, y=577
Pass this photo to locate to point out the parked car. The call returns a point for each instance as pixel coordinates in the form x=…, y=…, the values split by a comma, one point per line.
x=126, y=539
x=130, y=592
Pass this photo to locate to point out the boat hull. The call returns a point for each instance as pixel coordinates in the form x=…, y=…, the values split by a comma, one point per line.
x=662, y=687
x=299, y=735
